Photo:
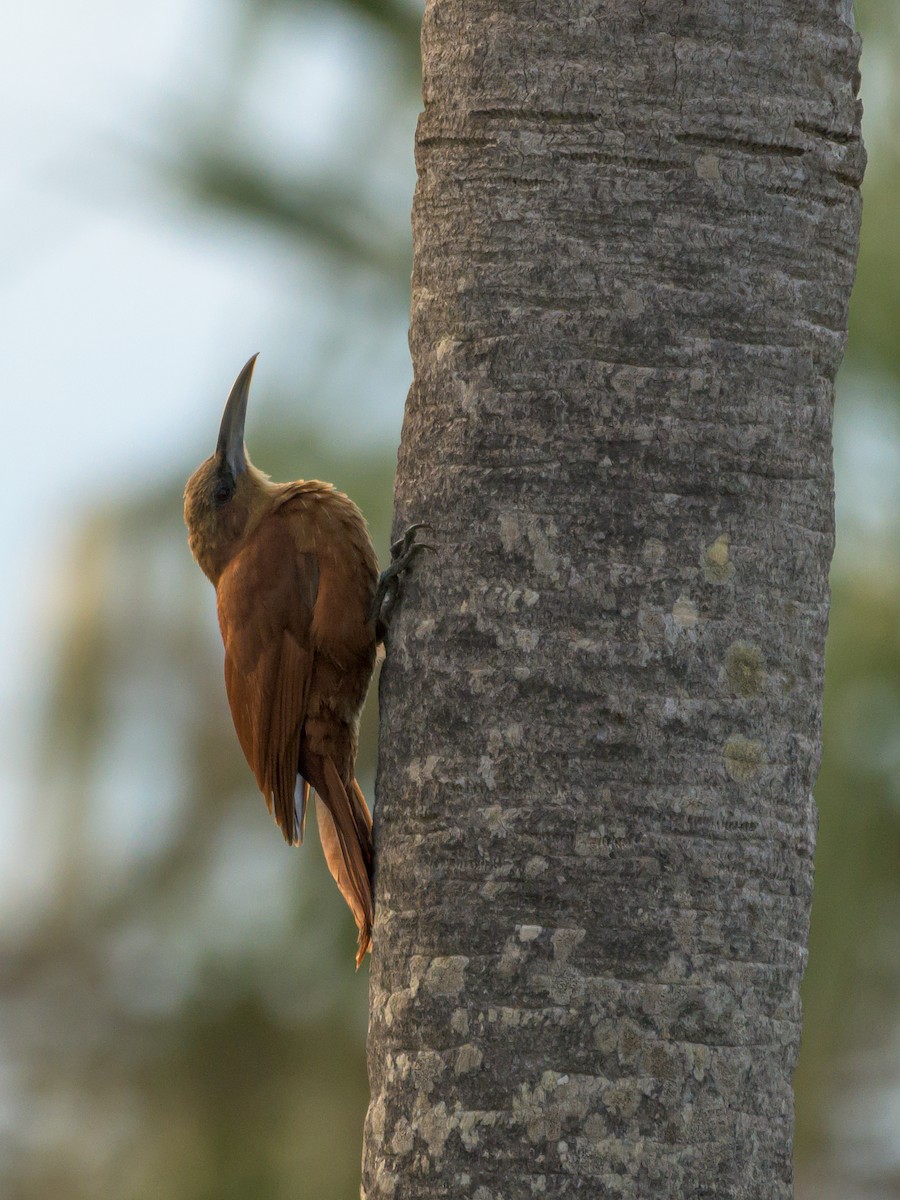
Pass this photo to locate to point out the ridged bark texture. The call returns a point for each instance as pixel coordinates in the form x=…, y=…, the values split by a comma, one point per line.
x=635, y=235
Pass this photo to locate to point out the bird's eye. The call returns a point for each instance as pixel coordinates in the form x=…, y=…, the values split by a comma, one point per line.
x=223, y=493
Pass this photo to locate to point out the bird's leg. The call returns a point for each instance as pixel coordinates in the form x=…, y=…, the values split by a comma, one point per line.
x=387, y=591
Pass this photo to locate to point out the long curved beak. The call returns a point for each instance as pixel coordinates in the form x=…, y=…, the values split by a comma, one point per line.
x=231, y=432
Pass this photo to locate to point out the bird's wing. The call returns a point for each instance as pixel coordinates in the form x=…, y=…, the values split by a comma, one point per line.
x=266, y=598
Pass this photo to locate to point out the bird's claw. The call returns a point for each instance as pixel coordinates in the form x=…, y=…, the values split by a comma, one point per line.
x=403, y=553
x=408, y=540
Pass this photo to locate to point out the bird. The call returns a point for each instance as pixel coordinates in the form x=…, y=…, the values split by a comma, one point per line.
x=302, y=609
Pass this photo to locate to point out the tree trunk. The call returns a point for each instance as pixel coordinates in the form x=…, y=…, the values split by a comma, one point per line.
x=635, y=234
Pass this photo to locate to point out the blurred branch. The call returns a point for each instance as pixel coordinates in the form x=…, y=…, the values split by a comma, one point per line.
x=327, y=216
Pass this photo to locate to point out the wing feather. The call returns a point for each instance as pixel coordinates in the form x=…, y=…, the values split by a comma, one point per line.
x=266, y=598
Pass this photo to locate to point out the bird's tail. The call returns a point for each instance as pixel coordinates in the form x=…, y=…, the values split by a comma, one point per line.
x=345, y=831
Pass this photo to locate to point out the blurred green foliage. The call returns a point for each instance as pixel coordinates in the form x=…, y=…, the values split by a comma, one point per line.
x=185, y=1020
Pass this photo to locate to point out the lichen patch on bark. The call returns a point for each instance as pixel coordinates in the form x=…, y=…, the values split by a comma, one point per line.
x=707, y=167
x=468, y=1058
x=744, y=758
x=445, y=976
x=744, y=667
x=684, y=612
x=716, y=562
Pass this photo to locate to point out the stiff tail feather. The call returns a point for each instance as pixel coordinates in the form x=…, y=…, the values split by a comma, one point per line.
x=301, y=803
x=345, y=830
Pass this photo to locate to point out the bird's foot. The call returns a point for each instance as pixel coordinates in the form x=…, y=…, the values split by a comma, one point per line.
x=387, y=591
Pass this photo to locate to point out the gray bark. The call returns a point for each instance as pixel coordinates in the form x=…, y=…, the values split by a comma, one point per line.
x=635, y=235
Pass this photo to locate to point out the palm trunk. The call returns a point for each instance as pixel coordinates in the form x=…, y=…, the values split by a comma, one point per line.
x=635, y=235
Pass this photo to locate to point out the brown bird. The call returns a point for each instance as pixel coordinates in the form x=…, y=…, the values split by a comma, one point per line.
x=301, y=609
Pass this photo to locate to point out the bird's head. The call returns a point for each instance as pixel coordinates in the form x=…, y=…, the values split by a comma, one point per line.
x=226, y=496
